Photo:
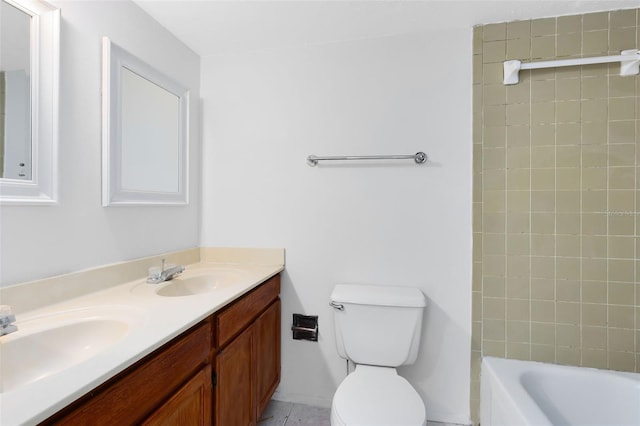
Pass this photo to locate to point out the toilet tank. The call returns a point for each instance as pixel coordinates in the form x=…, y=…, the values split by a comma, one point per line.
x=378, y=325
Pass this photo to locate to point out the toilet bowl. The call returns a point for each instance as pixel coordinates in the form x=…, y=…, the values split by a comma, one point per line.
x=376, y=396
x=378, y=328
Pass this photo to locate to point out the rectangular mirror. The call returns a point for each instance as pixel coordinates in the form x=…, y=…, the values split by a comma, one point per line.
x=29, y=66
x=15, y=92
x=145, y=133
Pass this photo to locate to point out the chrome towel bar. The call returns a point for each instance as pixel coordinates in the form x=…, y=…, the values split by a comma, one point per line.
x=418, y=157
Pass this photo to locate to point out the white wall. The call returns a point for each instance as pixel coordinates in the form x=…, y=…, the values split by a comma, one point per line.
x=37, y=242
x=393, y=223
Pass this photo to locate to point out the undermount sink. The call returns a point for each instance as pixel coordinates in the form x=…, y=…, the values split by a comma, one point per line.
x=47, y=345
x=203, y=282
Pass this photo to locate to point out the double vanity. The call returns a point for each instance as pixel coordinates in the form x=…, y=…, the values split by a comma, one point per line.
x=202, y=348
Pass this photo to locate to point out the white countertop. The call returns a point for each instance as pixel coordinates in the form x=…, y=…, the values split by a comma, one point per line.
x=156, y=320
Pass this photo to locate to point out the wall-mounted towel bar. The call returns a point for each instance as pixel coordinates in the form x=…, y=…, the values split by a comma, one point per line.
x=419, y=158
x=629, y=64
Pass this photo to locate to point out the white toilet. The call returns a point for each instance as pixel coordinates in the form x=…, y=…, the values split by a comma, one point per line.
x=377, y=328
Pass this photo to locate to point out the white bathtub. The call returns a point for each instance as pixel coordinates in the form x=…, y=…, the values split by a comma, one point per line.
x=533, y=393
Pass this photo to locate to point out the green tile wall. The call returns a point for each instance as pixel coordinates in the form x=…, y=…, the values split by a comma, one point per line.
x=556, y=196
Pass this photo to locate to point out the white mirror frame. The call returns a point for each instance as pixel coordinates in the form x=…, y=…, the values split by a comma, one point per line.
x=114, y=60
x=42, y=189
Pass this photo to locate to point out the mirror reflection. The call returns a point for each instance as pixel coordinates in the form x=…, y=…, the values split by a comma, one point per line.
x=150, y=135
x=15, y=93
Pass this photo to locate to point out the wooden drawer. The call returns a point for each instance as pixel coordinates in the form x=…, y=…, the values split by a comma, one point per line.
x=136, y=392
x=242, y=312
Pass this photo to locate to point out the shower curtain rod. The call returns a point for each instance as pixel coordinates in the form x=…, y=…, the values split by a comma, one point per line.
x=418, y=157
x=629, y=64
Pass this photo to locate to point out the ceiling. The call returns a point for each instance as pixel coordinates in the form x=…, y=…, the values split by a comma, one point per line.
x=214, y=27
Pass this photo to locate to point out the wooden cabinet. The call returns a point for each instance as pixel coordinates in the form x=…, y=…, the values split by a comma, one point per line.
x=132, y=395
x=248, y=366
x=236, y=351
x=267, y=355
x=235, y=388
x=190, y=405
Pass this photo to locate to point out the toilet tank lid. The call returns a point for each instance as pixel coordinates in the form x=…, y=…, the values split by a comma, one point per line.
x=365, y=294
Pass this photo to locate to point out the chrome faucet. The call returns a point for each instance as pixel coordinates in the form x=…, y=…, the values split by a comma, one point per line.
x=165, y=273
x=7, y=319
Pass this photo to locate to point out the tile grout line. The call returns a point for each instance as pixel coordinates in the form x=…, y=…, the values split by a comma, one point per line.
x=286, y=418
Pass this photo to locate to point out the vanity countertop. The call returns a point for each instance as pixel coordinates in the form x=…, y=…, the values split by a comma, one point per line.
x=154, y=319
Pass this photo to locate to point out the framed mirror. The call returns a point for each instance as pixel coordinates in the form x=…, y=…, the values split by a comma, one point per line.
x=29, y=67
x=145, y=117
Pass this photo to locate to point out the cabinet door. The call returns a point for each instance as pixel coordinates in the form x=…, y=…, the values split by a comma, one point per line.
x=267, y=355
x=235, y=388
x=190, y=405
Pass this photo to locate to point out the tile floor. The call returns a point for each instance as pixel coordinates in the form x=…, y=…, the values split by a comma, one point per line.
x=280, y=413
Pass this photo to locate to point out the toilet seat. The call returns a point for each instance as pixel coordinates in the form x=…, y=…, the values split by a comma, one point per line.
x=376, y=396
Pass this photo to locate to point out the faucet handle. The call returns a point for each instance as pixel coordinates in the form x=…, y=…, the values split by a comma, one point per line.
x=155, y=272
x=6, y=315
x=7, y=318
